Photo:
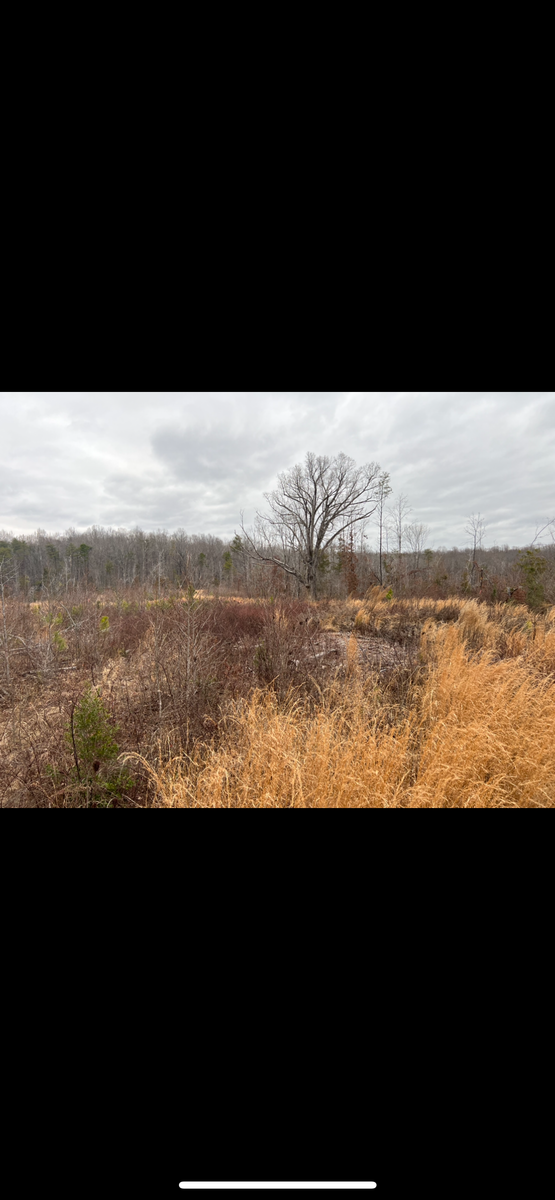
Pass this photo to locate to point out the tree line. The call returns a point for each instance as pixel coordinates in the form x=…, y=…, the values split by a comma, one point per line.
x=107, y=559
x=330, y=529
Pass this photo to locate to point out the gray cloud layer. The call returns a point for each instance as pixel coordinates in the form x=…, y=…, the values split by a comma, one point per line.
x=196, y=459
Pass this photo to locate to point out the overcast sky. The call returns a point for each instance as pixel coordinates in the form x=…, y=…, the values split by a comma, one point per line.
x=194, y=460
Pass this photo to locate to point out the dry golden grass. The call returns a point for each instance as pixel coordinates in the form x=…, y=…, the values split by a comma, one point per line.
x=289, y=757
x=479, y=733
x=460, y=714
x=339, y=614
x=376, y=612
x=487, y=732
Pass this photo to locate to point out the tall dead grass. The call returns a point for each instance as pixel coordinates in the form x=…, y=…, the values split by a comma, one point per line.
x=376, y=614
x=477, y=733
x=485, y=731
x=291, y=756
x=256, y=705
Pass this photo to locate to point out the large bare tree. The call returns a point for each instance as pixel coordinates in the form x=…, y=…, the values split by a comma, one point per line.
x=313, y=504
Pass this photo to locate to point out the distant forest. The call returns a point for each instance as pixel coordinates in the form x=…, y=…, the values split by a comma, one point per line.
x=105, y=559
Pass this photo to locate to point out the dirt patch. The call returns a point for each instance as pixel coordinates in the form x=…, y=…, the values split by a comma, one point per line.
x=374, y=654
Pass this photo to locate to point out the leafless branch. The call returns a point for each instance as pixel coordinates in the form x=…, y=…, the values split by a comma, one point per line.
x=548, y=525
x=312, y=506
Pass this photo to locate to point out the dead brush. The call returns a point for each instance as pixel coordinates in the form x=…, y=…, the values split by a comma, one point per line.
x=487, y=732
x=460, y=716
x=402, y=619
x=338, y=614
x=287, y=653
x=476, y=733
x=476, y=630
x=232, y=621
x=508, y=631
x=286, y=755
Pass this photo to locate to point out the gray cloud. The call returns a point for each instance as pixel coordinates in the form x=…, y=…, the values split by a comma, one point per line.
x=195, y=460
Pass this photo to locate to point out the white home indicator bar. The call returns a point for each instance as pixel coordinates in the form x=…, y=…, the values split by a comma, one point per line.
x=278, y=1185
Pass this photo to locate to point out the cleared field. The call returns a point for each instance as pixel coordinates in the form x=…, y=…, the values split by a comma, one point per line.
x=380, y=703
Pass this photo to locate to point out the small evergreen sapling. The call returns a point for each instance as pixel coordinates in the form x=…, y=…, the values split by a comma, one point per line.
x=92, y=738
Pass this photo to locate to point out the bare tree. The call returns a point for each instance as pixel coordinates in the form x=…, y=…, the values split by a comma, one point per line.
x=313, y=504
x=396, y=520
x=384, y=490
x=8, y=574
x=475, y=528
x=550, y=524
x=415, y=536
